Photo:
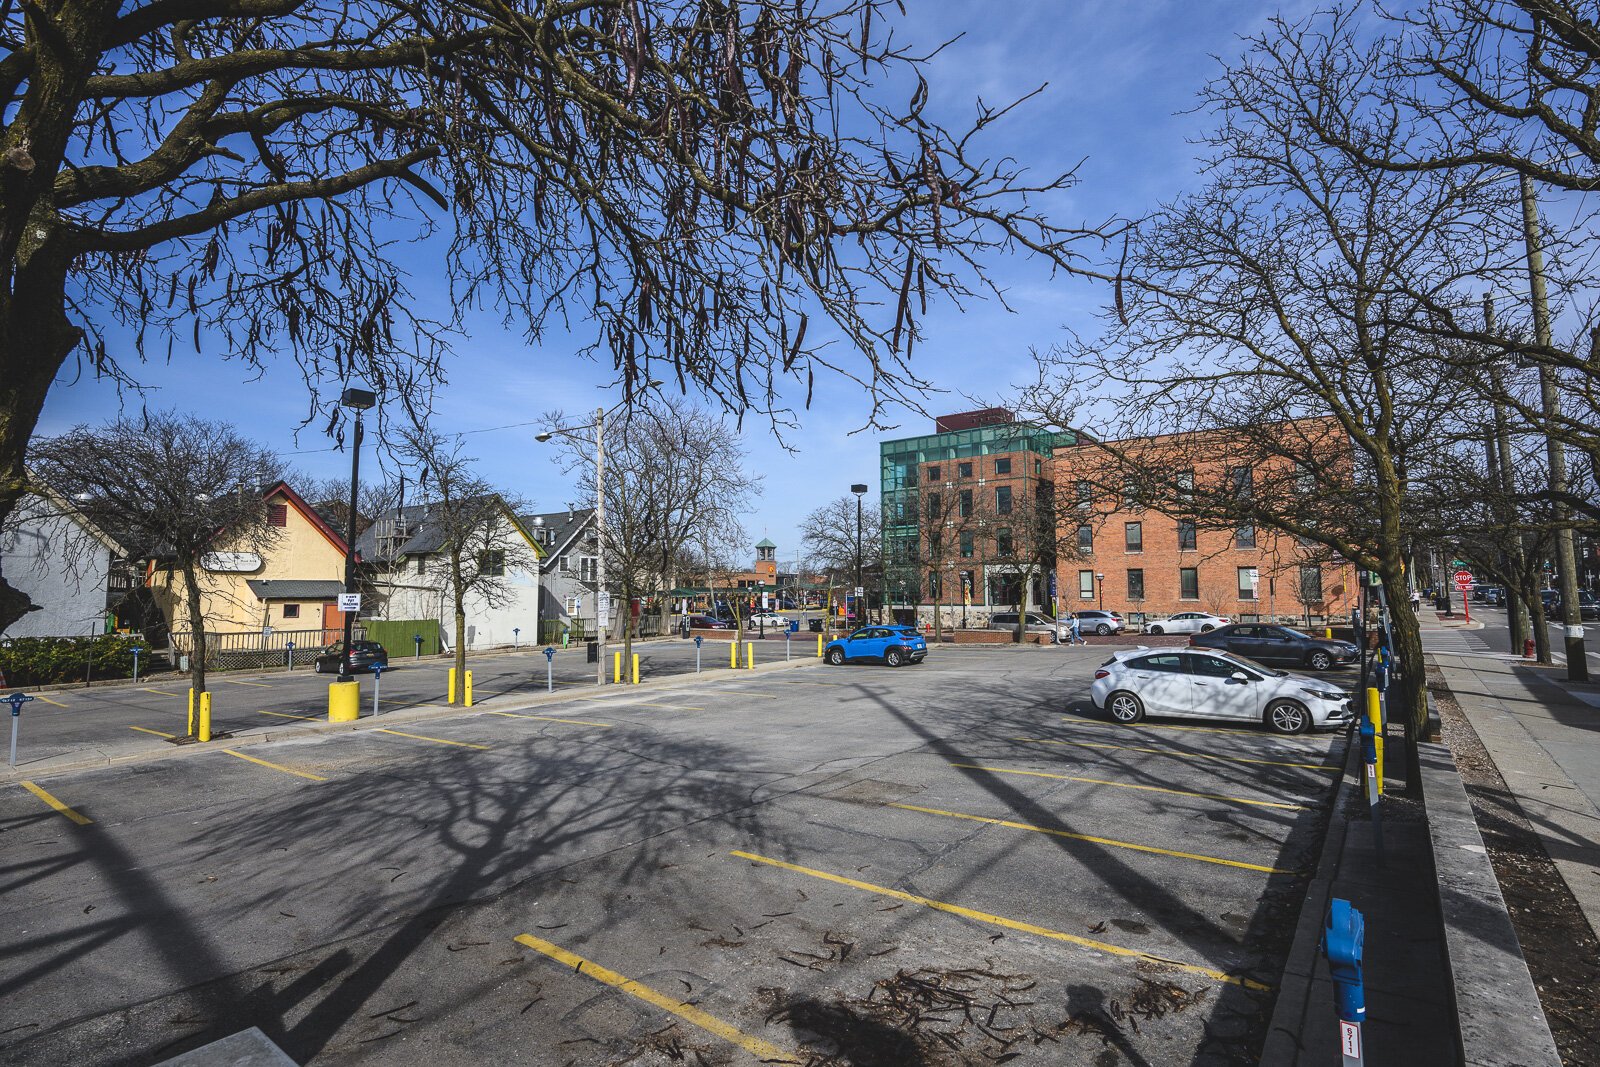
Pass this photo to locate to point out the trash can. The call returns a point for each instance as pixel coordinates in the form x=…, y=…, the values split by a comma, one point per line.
x=594, y=651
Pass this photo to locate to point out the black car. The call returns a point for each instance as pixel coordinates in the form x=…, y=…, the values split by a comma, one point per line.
x=709, y=622
x=1270, y=643
x=1588, y=605
x=363, y=654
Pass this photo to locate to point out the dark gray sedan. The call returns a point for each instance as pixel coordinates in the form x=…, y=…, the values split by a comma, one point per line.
x=1271, y=643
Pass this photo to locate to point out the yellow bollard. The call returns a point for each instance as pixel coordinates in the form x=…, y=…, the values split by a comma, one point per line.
x=190, y=730
x=1374, y=715
x=733, y=655
x=468, y=690
x=205, y=716
x=1327, y=632
x=819, y=646
x=344, y=701
x=616, y=668
x=451, y=697
x=750, y=655
x=636, y=668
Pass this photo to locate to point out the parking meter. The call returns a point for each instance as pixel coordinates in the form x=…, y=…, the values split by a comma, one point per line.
x=418, y=639
x=1341, y=942
x=516, y=637
x=290, y=646
x=549, y=671
x=699, y=639
x=136, y=649
x=16, y=700
x=377, y=683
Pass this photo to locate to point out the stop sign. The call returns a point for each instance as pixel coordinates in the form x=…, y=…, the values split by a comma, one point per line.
x=1463, y=579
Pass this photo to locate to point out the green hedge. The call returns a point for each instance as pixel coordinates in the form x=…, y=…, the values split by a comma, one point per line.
x=44, y=660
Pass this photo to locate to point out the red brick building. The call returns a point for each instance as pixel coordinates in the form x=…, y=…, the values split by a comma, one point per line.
x=1147, y=563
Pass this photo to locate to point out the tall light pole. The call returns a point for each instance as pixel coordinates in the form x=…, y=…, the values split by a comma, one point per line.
x=1101, y=580
x=600, y=595
x=859, y=489
x=357, y=400
x=1566, y=554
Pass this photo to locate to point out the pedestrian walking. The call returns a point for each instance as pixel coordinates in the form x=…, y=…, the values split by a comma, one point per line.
x=1075, y=630
x=1416, y=601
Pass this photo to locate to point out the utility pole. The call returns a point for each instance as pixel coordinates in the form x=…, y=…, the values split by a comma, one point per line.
x=1566, y=556
x=1500, y=457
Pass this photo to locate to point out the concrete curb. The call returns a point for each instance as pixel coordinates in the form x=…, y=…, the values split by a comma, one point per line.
x=116, y=756
x=1499, y=1022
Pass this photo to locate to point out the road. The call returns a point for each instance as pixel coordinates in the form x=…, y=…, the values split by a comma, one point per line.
x=943, y=863
x=1496, y=634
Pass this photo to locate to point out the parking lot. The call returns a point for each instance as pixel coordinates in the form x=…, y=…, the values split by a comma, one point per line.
x=939, y=864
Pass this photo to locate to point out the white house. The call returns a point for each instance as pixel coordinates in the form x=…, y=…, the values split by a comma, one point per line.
x=64, y=563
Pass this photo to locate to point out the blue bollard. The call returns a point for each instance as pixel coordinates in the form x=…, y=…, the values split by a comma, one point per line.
x=699, y=639
x=1341, y=943
x=549, y=675
x=16, y=700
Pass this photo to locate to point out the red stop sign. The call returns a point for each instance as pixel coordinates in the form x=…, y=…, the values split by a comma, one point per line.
x=1463, y=579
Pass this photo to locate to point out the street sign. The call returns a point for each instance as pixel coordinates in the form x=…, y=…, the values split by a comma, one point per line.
x=1463, y=579
x=860, y=591
x=349, y=602
x=605, y=610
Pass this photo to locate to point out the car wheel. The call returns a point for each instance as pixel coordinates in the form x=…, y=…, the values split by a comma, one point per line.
x=1155, y=630
x=1103, y=630
x=1287, y=717
x=1207, y=628
x=316, y=666
x=894, y=657
x=1319, y=661
x=1125, y=708
x=836, y=656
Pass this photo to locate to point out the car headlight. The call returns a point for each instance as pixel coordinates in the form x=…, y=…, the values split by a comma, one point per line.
x=1323, y=694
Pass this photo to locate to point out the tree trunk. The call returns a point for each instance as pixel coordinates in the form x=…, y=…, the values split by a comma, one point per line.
x=197, y=630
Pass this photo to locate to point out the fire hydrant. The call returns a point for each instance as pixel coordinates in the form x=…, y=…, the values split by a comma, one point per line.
x=1527, y=648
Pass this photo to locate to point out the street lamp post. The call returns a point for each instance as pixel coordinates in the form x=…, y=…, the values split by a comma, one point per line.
x=1100, y=580
x=859, y=489
x=357, y=400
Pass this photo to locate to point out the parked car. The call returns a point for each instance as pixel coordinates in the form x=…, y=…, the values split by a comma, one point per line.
x=1037, y=624
x=1099, y=622
x=770, y=620
x=1203, y=683
x=708, y=622
x=1270, y=643
x=892, y=645
x=1588, y=604
x=363, y=654
x=1186, y=622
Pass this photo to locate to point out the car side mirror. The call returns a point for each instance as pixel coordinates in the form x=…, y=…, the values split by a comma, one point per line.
x=1238, y=676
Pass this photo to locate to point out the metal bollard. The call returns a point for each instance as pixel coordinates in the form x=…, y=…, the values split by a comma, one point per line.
x=16, y=700
x=190, y=730
x=1375, y=716
x=377, y=684
x=450, y=696
x=549, y=674
x=698, y=641
x=733, y=653
x=819, y=646
x=616, y=668
x=786, y=647
x=205, y=716
x=750, y=655
x=467, y=689
x=636, y=668
x=1341, y=943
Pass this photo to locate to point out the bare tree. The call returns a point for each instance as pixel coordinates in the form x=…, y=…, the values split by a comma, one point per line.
x=179, y=485
x=481, y=543
x=690, y=179
x=331, y=498
x=832, y=546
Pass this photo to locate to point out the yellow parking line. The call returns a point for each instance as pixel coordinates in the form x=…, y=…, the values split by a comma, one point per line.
x=81, y=820
x=1074, y=721
x=276, y=767
x=435, y=740
x=1131, y=785
x=1010, y=924
x=235, y=681
x=288, y=715
x=47, y=700
x=1183, y=755
x=1096, y=840
x=147, y=730
x=552, y=718
x=163, y=692
x=758, y=1048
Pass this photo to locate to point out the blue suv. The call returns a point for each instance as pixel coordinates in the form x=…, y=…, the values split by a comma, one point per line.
x=892, y=645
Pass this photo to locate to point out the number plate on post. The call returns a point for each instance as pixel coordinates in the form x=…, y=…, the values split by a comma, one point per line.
x=1350, y=1039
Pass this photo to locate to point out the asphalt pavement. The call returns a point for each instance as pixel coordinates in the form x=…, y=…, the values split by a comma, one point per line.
x=947, y=862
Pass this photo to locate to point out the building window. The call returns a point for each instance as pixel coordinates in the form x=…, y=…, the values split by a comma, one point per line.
x=492, y=564
x=291, y=611
x=966, y=544
x=1240, y=482
x=1188, y=583
x=1135, y=584
x=1130, y=492
x=1305, y=479
x=1082, y=493
x=1186, y=534
x=588, y=568
x=964, y=470
x=1185, y=485
x=422, y=564
x=1086, y=585
x=964, y=503
x=933, y=474
x=1247, y=583
x=277, y=514
x=1311, y=584
x=1133, y=536
x=933, y=507
x=933, y=585
x=1002, y=466
x=1038, y=466
x=1002, y=500
x=1002, y=543
x=1085, y=538
x=1245, y=537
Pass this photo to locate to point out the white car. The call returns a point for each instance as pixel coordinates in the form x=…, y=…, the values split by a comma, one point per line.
x=771, y=620
x=1205, y=683
x=1186, y=622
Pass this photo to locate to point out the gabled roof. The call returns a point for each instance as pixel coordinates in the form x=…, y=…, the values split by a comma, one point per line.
x=311, y=514
x=422, y=531
x=68, y=510
x=562, y=526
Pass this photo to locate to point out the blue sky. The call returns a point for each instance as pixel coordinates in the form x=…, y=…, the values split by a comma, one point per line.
x=1121, y=77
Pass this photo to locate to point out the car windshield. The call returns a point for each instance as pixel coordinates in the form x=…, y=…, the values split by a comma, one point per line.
x=1245, y=661
x=1292, y=632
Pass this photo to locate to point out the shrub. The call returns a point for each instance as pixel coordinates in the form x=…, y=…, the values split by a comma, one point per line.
x=44, y=660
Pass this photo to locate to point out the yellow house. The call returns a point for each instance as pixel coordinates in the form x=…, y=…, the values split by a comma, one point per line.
x=290, y=582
